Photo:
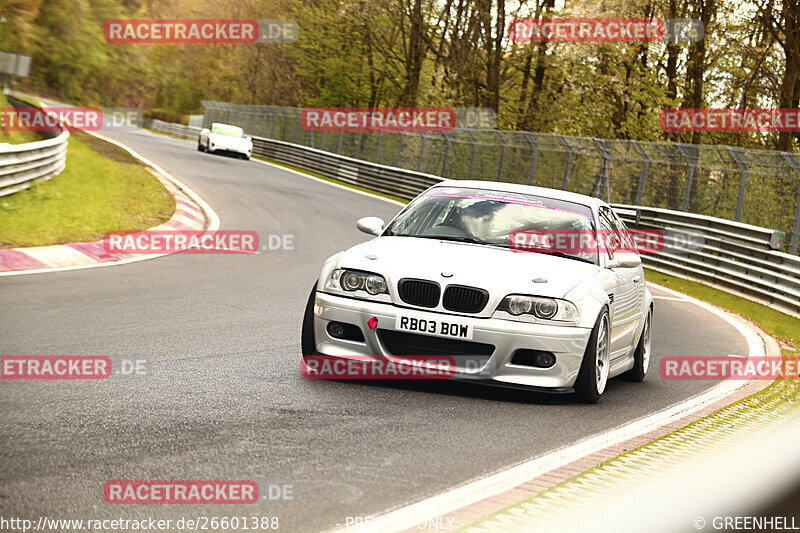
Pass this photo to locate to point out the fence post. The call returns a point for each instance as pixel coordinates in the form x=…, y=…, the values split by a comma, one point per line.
x=643, y=175
x=472, y=154
x=283, y=127
x=446, y=152
x=399, y=149
x=567, y=163
x=421, y=152
x=358, y=146
x=339, y=142
x=378, y=147
x=601, y=183
x=301, y=133
x=743, y=171
x=692, y=163
x=534, y=153
x=502, y=155
x=273, y=119
x=796, y=226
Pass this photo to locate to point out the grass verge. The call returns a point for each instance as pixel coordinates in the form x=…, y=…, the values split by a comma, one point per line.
x=102, y=188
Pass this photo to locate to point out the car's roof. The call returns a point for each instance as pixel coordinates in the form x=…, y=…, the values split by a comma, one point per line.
x=525, y=189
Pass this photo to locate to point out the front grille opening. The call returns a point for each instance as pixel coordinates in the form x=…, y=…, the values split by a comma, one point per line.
x=537, y=358
x=402, y=343
x=463, y=299
x=345, y=331
x=419, y=292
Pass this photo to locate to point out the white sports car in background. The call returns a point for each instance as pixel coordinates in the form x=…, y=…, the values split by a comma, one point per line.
x=225, y=138
x=443, y=278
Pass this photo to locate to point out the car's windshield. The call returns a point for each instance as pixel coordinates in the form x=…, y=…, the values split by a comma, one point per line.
x=490, y=217
x=225, y=129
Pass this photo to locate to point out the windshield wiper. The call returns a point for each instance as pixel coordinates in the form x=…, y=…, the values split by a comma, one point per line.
x=564, y=254
x=454, y=238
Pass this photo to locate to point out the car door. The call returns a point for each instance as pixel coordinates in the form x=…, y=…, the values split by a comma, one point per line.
x=624, y=298
x=636, y=273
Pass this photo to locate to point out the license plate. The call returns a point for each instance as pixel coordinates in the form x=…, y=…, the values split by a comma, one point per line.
x=454, y=329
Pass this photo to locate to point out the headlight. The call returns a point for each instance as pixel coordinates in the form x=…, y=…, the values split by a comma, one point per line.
x=519, y=304
x=544, y=308
x=375, y=284
x=354, y=280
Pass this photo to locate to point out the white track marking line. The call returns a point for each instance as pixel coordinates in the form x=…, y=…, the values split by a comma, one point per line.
x=491, y=485
x=345, y=187
x=213, y=218
x=671, y=298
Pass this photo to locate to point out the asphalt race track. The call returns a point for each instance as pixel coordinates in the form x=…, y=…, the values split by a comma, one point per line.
x=223, y=397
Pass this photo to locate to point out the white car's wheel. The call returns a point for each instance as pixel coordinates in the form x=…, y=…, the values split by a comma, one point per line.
x=641, y=357
x=593, y=375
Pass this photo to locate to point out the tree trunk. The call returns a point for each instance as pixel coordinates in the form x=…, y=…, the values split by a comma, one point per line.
x=788, y=98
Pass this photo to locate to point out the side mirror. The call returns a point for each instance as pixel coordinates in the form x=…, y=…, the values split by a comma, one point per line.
x=205, y=130
x=625, y=260
x=370, y=225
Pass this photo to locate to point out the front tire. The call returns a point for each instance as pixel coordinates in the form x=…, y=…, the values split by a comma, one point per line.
x=593, y=375
x=308, y=342
x=641, y=357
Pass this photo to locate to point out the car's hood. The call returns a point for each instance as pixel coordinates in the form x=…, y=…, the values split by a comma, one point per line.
x=498, y=270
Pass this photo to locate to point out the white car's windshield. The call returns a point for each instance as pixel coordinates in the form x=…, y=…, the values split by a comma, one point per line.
x=490, y=217
x=229, y=131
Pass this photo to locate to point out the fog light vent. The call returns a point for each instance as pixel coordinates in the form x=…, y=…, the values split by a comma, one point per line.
x=537, y=358
x=344, y=331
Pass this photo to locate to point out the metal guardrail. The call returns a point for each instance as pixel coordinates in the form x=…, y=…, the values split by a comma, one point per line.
x=760, y=187
x=736, y=257
x=171, y=128
x=21, y=164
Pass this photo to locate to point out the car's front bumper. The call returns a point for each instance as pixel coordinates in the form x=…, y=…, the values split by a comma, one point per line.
x=567, y=343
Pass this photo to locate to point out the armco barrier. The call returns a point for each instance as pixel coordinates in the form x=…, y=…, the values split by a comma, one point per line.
x=736, y=257
x=759, y=187
x=170, y=128
x=20, y=164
